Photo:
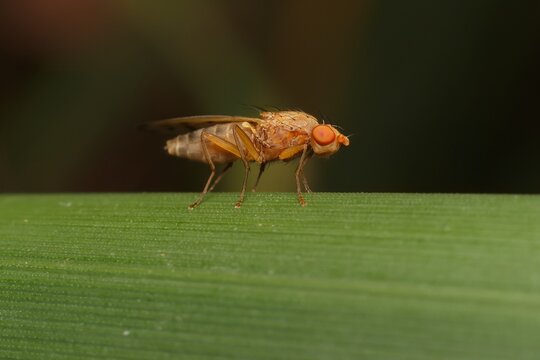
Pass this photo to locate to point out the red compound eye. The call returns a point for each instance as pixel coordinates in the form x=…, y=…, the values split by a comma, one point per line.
x=323, y=134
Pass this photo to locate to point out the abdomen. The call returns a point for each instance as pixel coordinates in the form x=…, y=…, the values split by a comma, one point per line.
x=189, y=145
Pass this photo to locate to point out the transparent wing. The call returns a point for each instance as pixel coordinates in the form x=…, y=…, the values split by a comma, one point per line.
x=190, y=123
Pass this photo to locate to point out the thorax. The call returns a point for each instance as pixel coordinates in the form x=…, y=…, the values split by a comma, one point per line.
x=278, y=131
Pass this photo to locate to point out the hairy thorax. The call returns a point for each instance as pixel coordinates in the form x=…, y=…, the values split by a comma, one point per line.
x=282, y=130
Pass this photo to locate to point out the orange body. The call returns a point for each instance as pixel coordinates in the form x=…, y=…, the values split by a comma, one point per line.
x=281, y=135
x=273, y=134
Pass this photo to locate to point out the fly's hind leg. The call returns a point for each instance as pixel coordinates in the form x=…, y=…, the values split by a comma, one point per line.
x=216, y=181
x=212, y=173
x=224, y=145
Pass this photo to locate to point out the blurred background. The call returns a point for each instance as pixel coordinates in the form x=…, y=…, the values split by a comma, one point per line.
x=441, y=96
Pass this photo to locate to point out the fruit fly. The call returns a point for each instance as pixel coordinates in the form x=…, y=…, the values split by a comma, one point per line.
x=281, y=135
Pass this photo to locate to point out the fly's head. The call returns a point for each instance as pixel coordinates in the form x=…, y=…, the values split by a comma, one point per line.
x=326, y=140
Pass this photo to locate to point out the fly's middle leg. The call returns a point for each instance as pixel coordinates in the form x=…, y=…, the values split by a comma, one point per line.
x=241, y=140
x=261, y=170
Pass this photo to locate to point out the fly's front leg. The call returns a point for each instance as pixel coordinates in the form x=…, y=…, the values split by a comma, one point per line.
x=212, y=168
x=304, y=179
x=306, y=185
x=299, y=173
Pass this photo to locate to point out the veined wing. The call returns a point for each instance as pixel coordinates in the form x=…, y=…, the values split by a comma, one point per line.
x=190, y=123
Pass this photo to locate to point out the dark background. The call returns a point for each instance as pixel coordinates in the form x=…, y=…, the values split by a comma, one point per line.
x=441, y=96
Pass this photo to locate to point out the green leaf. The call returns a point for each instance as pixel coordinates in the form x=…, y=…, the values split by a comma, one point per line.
x=378, y=276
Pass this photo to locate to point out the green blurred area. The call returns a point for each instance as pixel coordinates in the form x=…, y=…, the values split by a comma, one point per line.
x=440, y=96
